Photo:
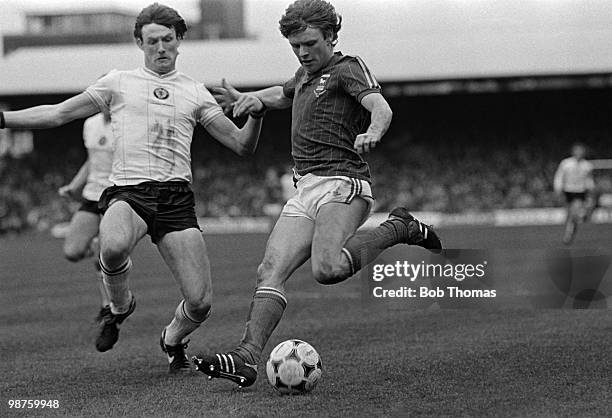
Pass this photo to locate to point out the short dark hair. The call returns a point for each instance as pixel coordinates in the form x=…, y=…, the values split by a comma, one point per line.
x=162, y=15
x=314, y=13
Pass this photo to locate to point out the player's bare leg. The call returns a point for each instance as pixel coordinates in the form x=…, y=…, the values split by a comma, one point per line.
x=185, y=254
x=287, y=249
x=590, y=204
x=94, y=247
x=82, y=230
x=120, y=230
x=79, y=244
x=574, y=215
x=334, y=224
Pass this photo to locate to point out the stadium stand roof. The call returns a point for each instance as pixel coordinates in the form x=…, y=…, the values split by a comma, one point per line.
x=252, y=63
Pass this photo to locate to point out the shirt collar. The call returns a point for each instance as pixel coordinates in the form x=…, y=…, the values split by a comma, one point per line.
x=153, y=73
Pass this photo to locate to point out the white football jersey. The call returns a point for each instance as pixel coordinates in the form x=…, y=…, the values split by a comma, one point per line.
x=153, y=117
x=574, y=176
x=99, y=142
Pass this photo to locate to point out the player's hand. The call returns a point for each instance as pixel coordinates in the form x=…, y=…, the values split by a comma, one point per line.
x=366, y=142
x=67, y=191
x=246, y=104
x=231, y=100
x=226, y=96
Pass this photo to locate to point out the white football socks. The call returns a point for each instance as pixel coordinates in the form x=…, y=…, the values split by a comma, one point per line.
x=182, y=325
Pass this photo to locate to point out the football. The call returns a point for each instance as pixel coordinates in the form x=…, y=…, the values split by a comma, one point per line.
x=294, y=367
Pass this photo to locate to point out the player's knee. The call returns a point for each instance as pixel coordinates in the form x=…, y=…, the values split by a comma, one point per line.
x=199, y=307
x=73, y=256
x=114, y=253
x=74, y=253
x=326, y=272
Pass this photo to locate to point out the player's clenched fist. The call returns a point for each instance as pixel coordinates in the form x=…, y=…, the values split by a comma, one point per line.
x=366, y=142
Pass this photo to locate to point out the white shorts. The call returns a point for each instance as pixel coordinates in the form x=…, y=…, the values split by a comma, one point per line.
x=314, y=191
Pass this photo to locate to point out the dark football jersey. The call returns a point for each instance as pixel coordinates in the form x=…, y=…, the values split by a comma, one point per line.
x=327, y=116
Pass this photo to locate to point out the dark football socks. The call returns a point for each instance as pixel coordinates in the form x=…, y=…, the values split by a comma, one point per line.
x=266, y=311
x=363, y=247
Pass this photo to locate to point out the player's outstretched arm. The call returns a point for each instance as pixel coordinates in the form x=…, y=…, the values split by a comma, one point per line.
x=74, y=189
x=240, y=104
x=51, y=116
x=273, y=97
x=242, y=141
x=380, y=119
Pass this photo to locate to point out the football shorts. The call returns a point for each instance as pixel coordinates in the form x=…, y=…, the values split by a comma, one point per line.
x=164, y=206
x=571, y=196
x=90, y=206
x=314, y=191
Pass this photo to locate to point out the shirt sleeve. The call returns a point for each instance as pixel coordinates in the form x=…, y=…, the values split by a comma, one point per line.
x=101, y=92
x=357, y=80
x=289, y=86
x=209, y=109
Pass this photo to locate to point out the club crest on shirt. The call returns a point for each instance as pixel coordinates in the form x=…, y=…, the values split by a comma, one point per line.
x=320, y=89
x=161, y=93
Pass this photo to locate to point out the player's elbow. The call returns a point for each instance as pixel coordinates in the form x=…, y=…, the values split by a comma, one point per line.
x=244, y=151
x=55, y=117
x=386, y=111
x=244, y=146
x=382, y=113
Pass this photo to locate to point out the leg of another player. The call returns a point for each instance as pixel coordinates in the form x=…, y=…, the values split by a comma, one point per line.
x=335, y=223
x=590, y=204
x=95, y=250
x=573, y=218
x=287, y=249
x=120, y=230
x=83, y=228
x=82, y=233
x=185, y=254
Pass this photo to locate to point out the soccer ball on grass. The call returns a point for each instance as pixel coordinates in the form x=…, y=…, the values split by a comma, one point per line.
x=294, y=367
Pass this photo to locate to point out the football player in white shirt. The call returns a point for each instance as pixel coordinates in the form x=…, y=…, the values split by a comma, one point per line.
x=86, y=187
x=574, y=179
x=154, y=110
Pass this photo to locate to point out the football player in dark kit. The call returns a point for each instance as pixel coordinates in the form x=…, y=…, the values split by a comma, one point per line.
x=338, y=113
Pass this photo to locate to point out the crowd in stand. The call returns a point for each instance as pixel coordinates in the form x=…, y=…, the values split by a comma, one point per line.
x=470, y=179
x=28, y=193
x=464, y=177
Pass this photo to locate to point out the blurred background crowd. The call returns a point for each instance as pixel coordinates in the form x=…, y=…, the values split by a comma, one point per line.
x=448, y=170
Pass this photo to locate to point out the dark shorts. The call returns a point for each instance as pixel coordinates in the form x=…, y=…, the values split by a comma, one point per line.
x=570, y=197
x=164, y=206
x=90, y=206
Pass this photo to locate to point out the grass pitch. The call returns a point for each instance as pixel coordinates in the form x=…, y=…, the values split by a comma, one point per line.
x=378, y=360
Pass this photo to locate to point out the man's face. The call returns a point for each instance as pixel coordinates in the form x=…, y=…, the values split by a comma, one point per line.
x=578, y=152
x=160, y=47
x=312, y=49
